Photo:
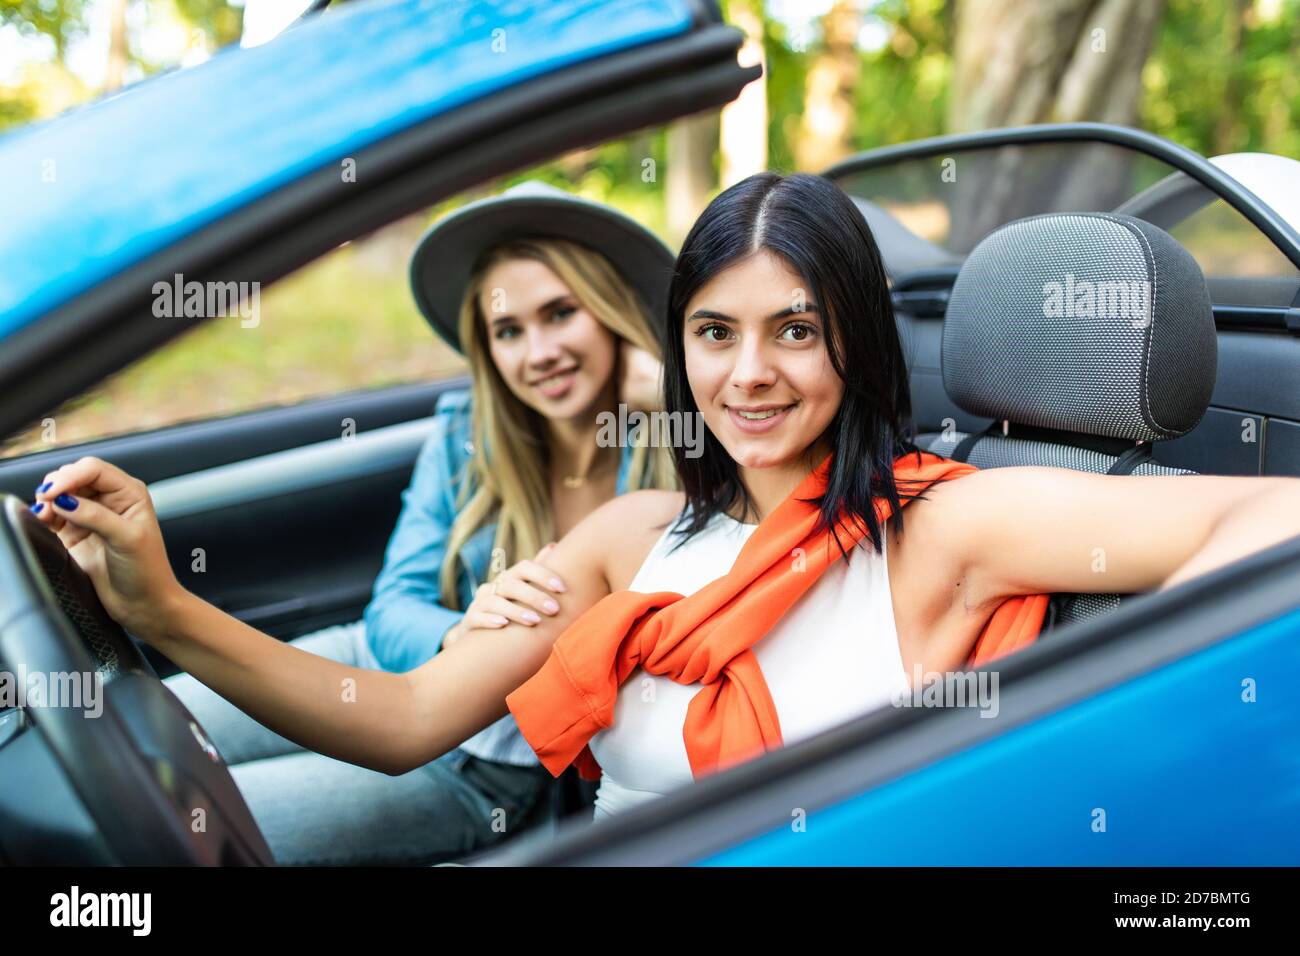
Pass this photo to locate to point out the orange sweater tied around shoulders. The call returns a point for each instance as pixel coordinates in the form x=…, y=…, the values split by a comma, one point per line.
x=707, y=637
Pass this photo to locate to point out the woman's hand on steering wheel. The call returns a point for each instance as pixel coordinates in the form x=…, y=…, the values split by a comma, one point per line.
x=106, y=520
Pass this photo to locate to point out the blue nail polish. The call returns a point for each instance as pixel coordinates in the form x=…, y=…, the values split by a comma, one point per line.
x=45, y=487
x=66, y=502
x=38, y=507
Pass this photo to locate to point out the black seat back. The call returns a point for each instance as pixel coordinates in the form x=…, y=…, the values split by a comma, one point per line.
x=1086, y=337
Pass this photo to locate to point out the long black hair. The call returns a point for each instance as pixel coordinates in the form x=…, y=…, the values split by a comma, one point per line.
x=810, y=223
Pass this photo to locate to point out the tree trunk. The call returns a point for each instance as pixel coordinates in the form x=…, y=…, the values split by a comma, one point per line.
x=117, y=51
x=692, y=142
x=1049, y=61
x=1228, y=136
x=826, y=126
x=743, y=133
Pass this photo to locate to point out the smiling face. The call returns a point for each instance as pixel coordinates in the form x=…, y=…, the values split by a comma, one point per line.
x=551, y=352
x=758, y=367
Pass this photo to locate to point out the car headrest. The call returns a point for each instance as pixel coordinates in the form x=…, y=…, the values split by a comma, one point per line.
x=1086, y=322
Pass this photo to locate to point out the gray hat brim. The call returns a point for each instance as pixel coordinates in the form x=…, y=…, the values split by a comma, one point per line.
x=443, y=259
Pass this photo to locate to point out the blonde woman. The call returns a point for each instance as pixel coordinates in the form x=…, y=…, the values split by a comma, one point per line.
x=554, y=333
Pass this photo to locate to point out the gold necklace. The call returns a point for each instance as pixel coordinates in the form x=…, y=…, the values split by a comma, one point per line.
x=577, y=481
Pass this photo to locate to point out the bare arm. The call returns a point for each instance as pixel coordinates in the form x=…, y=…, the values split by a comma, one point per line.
x=389, y=722
x=1038, y=530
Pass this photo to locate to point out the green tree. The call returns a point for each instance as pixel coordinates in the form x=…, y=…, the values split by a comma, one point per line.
x=1223, y=76
x=61, y=20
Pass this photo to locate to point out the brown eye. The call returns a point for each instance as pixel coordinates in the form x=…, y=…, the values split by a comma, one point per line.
x=805, y=331
x=707, y=331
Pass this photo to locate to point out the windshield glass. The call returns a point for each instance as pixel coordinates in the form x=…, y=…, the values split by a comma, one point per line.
x=929, y=212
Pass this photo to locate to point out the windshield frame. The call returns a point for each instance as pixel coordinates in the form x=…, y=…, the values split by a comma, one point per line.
x=1258, y=213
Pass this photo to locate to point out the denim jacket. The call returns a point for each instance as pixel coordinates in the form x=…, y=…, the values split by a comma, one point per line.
x=405, y=623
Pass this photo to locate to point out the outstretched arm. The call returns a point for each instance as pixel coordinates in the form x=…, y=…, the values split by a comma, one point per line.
x=1035, y=530
x=388, y=722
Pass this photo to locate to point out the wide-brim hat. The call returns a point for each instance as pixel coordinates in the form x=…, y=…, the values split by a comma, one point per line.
x=445, y=255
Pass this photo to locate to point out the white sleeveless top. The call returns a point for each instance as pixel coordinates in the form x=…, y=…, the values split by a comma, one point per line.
x=833, y=656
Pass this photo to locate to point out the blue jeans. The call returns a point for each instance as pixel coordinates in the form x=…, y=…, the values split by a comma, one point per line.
x=315, y=810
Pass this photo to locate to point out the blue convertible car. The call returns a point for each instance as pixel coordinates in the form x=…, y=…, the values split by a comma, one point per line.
x=1158, y=728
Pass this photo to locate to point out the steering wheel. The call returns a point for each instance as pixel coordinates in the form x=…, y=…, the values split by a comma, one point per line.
x=108, y=744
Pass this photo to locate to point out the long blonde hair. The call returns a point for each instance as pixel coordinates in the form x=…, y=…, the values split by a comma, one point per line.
x=513, y=489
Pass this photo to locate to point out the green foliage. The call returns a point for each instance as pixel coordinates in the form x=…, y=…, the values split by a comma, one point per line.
x=64, y=22
x=61, y=20
x=903, y=92
x=787, y=70
x=15, y=110
x=221, y=22
x=1201, y=93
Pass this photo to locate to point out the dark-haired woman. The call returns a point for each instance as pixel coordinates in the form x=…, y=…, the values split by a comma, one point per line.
x=780, y=593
